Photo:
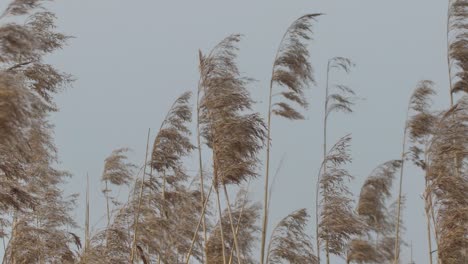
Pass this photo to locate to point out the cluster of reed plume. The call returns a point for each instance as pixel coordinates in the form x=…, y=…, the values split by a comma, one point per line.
x=172, y=217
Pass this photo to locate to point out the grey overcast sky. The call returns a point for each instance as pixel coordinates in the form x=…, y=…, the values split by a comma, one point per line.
x=131, y=59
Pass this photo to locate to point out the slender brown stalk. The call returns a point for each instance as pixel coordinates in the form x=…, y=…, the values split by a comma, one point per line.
x=218, y=201
x=234, y=233
x=87, y=235
x=108, y=216
x=234, y=135
x=325, y=122
x=292, y=70
x=239, y=222
x=164, y=186
x=429, y=210
x=338, y=101
x=317, y=213
x=400, y=187
x=202, y=216
x=428, y=223
x=107, y=204
x=13, y=234
x=200, y=163
x=449, y=62
x=436, y=232
x=267, y=173
x=140, y=196
x=220, y=224
x=417, y=128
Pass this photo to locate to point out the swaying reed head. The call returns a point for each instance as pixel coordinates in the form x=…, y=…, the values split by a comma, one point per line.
x=362, y=251
x=340, y=98
x=21, y=7
x=14, y=110
x=235, y=135
x=338, y=222
x=117, y=170
x=447, y=154
x=112, y=244
x=26, y=83
x=420, y=100
x=422, y=123
x=168, y=231
x=27, y=152
x=245, y=215
x=172, y=142
x=42, y=234
x=292, y=69
x=290, y=242
x=374, y=193
x=458, y=44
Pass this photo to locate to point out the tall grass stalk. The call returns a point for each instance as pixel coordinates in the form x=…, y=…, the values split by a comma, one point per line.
x=200, y=159
x=140, y=198
x=291, y=70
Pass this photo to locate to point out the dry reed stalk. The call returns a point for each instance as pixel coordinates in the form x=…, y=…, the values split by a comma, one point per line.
x=422, y=126
x=400, y=188
x=234, y=233
x=202, y=216
x=234, y=135
x=338, y=101
x=292, y=70
x=218, y=202
x=199, y=147
x=87, y=234
x=107, y=203
x=457, y=50
x=336, y=202
x=427, y=211
x=244, y=203
x=416, y=127
x=137, y=215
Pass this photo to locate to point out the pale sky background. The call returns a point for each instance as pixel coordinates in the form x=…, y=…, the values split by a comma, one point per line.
x=131, y=59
